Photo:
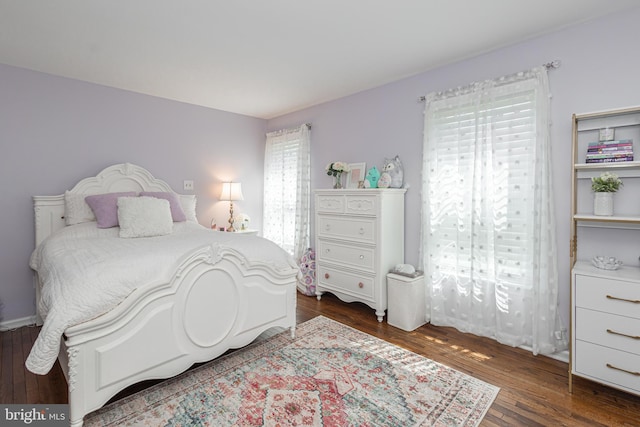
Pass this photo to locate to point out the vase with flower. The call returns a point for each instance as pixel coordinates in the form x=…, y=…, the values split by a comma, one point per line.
x=336, y=169
x=603, y=187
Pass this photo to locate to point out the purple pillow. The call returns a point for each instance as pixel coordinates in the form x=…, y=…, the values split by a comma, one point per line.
x=177, y=213
x=105, y=207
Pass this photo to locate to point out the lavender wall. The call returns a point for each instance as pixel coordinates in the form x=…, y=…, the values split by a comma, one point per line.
x=599, y=71
x=56, y=131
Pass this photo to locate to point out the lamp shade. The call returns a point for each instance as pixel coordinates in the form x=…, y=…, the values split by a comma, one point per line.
x=231, y=191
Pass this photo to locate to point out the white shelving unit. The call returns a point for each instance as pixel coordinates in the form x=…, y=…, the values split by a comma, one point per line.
x=605, y=305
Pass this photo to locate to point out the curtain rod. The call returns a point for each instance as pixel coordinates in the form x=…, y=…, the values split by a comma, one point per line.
x=555, y=64
x=281, y=131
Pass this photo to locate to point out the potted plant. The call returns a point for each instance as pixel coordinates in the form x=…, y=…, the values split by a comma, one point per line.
x=336, y=169
x=604, y=186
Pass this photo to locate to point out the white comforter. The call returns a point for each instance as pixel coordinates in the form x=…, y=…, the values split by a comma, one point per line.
x=86, y=271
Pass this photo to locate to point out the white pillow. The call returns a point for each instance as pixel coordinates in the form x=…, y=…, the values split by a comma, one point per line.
x=144, y=217
x=76, y=209
x=188, y=203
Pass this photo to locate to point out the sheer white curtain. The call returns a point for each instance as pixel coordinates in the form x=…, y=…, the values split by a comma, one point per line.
x=287, y=188
x=488, y=218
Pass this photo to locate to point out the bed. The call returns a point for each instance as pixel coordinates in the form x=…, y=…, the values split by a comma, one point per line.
x=211, y=292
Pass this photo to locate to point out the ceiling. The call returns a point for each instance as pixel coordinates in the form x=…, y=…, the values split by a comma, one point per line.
x=270, y=57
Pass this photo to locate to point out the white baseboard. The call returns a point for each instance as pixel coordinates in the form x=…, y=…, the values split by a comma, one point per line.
x=17, y=323
x=562, y=356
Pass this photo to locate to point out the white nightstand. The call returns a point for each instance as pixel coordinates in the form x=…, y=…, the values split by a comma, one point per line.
x=247, y=231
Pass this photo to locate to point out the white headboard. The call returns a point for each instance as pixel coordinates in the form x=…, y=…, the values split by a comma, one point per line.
x=49, y=210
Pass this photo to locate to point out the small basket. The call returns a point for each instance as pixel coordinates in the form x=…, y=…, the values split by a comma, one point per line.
x=606, y=263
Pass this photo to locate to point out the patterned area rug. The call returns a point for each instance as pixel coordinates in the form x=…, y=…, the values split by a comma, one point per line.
x=330, y=375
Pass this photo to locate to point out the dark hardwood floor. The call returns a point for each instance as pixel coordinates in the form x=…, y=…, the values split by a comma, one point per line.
x=533, y=389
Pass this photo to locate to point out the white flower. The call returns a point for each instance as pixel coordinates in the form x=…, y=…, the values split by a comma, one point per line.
x=242, y=219
x=335, y=168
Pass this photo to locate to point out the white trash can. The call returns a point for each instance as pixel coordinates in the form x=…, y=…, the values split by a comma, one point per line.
x=406, y=301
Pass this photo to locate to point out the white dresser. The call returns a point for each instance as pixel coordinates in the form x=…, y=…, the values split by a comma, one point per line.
x=605, y=314
x=359, y=238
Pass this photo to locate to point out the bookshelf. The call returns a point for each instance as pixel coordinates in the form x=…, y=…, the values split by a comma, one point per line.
x=605, y=313
x=587, y=130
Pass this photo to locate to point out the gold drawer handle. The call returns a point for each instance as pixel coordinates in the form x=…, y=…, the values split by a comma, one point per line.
x=609, y=365
x=326, y=275
x=635, y=337
x=361, y=285
x=633, y=301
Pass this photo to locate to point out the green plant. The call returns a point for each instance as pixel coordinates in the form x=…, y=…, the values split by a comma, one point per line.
x=607, y=182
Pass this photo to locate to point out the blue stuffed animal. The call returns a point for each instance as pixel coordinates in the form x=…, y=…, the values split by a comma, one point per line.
x=372, y=177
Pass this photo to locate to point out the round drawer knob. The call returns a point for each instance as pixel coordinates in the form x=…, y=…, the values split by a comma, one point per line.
x=361, y=231
x=361, y=285
x=327, y=227
x=361, y=256
x=326, y=275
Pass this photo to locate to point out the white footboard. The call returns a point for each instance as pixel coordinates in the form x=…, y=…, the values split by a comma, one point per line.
x=216, y=301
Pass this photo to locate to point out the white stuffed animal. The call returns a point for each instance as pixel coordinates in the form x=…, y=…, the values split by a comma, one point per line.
x=394, y=169
x=307, y=273
x=384, y=181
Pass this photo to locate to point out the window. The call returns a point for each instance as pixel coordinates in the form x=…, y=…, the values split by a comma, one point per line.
x=489, y=231
x=287, y=189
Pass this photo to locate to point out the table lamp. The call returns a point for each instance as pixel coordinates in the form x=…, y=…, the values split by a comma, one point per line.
x=231, y=191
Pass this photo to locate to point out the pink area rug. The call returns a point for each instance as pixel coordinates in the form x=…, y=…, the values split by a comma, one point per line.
x=329, y=375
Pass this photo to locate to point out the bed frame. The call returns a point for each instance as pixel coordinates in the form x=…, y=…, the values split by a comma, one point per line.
x=217, y=300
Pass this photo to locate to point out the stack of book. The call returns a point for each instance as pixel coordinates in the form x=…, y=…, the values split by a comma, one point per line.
x=610, y=151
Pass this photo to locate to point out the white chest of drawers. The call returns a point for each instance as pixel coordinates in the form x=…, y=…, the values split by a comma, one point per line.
x=605, y=326
x=359, y=237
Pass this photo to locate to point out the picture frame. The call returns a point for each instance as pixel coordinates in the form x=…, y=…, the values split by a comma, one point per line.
x=606, y=134
x=357, y=172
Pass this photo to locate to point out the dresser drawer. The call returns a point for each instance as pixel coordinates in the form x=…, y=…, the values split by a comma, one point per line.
x=608, y=330
x=612, y=296
x=355, y=285
x=355, y=228
x=611, y=366
x=349, y=255
x=366, y=204
x=330, y=203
